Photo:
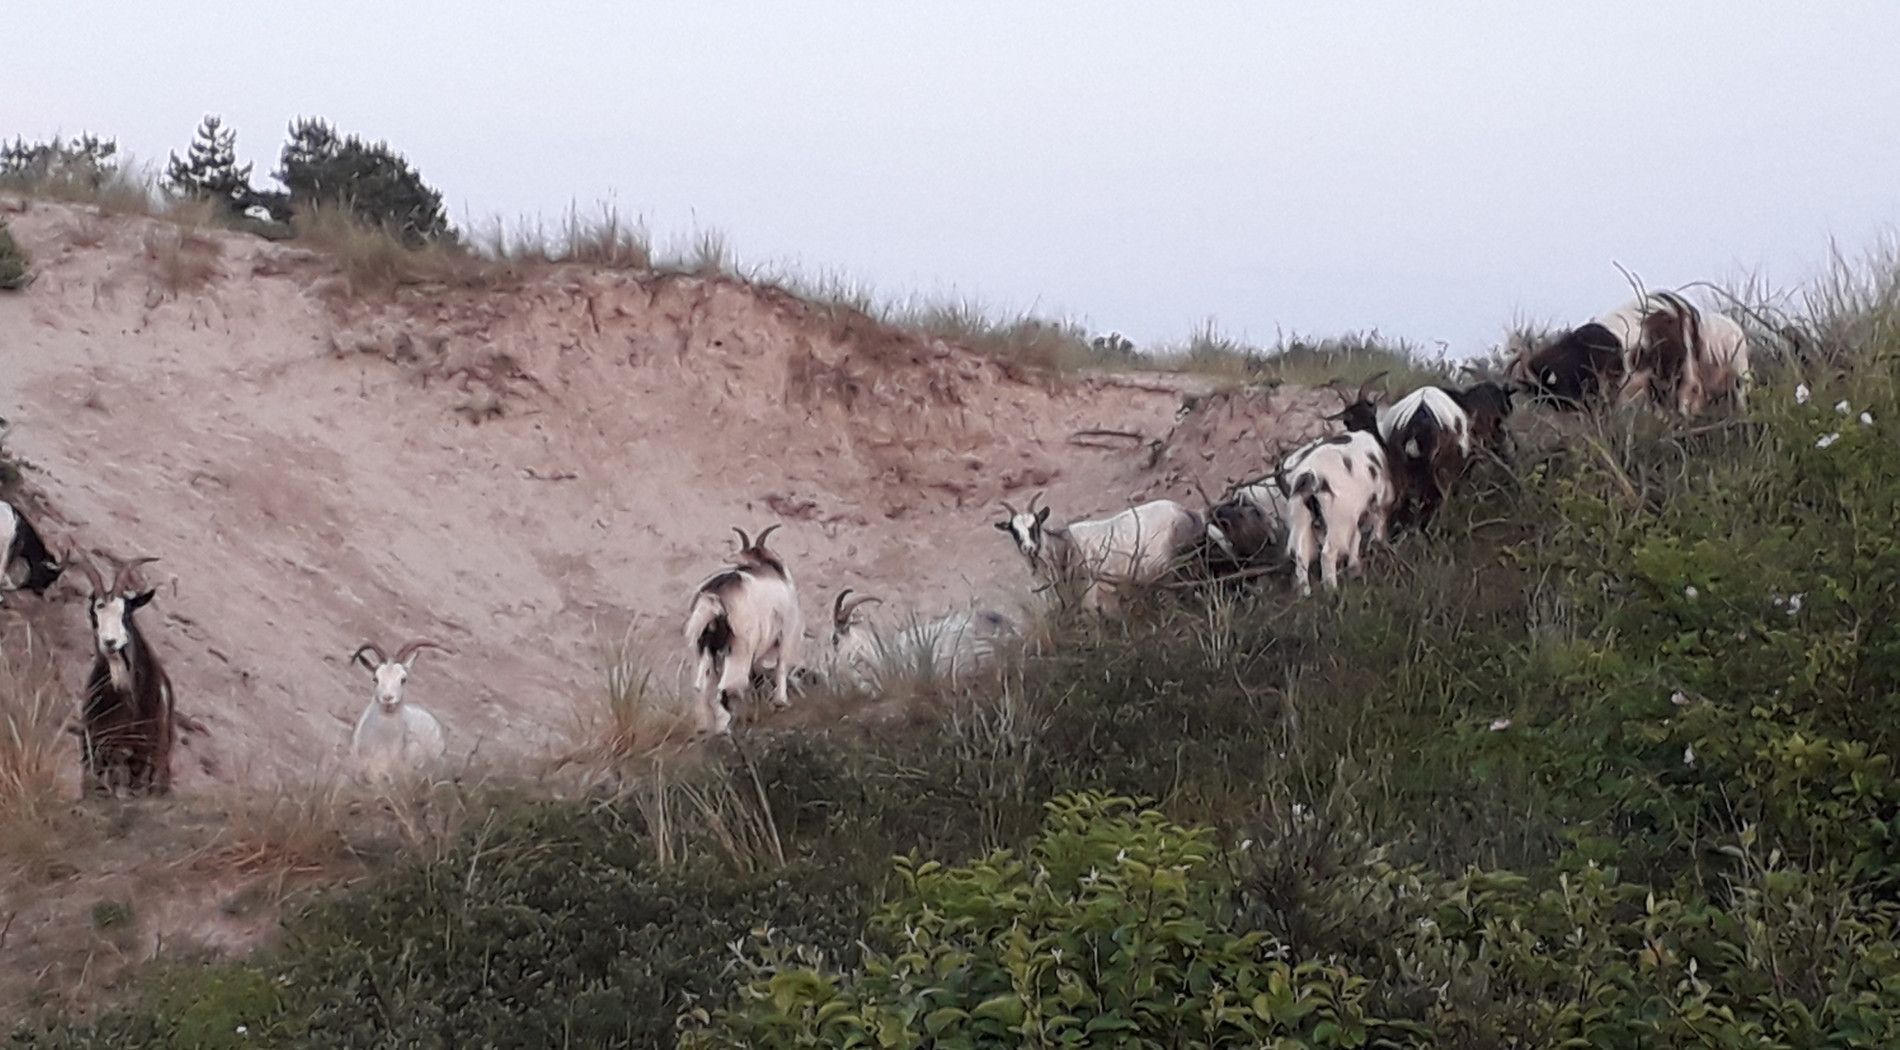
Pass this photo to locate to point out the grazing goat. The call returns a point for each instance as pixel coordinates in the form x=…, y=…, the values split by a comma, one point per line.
x=1137, y=546
x=393, y=736
x=1247, y=529
x=947, y=647
x=744, y=619
x=1658, y=345
x=25, y=563
x=1487, y=405
x=1575, y=370
x=1427, y=438
x=1336, y=486
x=128, y=726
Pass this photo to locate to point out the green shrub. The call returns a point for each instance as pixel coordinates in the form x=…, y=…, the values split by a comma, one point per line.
x=1115, y=928
x=369, y=179
x=14, y=262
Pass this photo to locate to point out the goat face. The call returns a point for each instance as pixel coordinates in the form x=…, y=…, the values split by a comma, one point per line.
x=112, y=620
x=1488, y=405
x=389, y=680
x=1026, y=528
x=390, y=674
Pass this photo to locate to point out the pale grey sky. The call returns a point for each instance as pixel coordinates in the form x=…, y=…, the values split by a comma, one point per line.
x=1424, y=169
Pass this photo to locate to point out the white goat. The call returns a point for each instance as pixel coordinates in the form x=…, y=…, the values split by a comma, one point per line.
x=1335, y=485
x=1138, y=545
x=744, y=620
x=394, y=737
x=949, y=646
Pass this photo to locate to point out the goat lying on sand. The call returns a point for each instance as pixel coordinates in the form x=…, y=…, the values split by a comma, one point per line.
x=947, y=647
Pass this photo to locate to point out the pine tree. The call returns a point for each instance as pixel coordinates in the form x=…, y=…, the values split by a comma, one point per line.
x=210, y=169
x=373, y=181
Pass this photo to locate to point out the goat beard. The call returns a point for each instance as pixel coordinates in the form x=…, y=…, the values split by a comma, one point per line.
x=119, y=670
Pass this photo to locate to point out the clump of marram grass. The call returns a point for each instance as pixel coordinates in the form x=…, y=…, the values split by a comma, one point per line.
x=15, y=264
x=36, y=754
x=634, y=716
x=180, y=258
x=375, y=261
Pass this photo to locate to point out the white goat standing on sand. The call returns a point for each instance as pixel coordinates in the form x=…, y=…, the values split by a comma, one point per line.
x=948, y=647
x=393, y=736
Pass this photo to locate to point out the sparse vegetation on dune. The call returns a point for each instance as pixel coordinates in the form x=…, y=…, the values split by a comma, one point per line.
x=1607, y=761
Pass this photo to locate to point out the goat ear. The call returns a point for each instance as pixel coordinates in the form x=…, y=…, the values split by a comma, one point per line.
x=1042, y=515
x=1001, y=526
x=139, y=600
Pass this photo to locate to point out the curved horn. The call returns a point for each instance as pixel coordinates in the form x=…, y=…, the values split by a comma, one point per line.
x=403, y=654
x=745, y=542
x=92, y=575
x=1035, y=501
x=1008, y=506
x=118, y=578
x=857, y=603
x=837, y=607
x=769, y=529
x=371, y=648
x=1366, y=387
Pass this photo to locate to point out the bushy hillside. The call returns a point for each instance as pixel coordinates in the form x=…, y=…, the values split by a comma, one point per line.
x=1606, y=763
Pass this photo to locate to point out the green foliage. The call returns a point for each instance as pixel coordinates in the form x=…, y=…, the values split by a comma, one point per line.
x=371, y=180
x=14, y=262
x=209, y=170
x=1117, y=926
x=87, y=162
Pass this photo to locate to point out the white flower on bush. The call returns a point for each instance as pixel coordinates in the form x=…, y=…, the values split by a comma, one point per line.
x=1691, y=593
x=1794, y=604
x=1866, y=419
x=1801, y=394
x=1827, y=440
x=1301, y=814
x=1688, y=756
x=1679, y=698
x=1841, y=407
x=1499, y=725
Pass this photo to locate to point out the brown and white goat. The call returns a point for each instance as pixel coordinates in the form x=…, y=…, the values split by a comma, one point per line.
x=743, y=620
x=128, y=718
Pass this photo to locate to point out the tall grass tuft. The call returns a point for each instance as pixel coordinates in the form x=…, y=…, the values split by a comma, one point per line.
x=37, y=757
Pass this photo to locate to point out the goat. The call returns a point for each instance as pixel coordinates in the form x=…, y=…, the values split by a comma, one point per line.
x=1681, y=352
x=1248, y=528
x=743, y=619
x=1574, y=370
x=394, y=736
x=1138, y=545
x=1336, y=486
x=949, y=646
x=25, y=563
x=1427, y=439
x=128, y=725
x=1487, y=405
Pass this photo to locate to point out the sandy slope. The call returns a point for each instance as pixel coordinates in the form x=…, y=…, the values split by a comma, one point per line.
x=308, y=468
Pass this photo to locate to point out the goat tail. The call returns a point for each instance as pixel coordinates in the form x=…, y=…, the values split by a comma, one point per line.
x=708, y=629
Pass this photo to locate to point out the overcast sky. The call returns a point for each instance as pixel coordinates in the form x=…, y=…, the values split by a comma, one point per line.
x=1428, y=170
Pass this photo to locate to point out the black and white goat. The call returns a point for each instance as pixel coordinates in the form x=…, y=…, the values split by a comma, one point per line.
x=1336, y=487
x=947, y=647
x=744, y=619
x=1137, y=546
x=127, y=725
x=1578, y=369
x=25, y=563
x=393, y=736
x=1429, y=437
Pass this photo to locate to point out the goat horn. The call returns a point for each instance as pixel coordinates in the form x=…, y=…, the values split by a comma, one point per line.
x=769, y=529
x=92, y=575
x=745, y=542
x=837, y=607
x=371, y=648
x=118, y=578
x=1036, y=500
x=859, y=602
x=409, y=650
x=1011, y=508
